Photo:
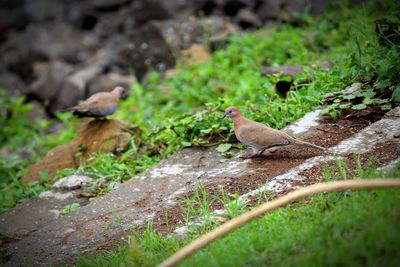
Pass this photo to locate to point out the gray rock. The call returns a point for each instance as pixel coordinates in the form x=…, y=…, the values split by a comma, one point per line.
x=12, y=84
x=147, y=50
x=287, y=70
x=247, y=19
x=75, y=86
x=352, y=88
x=107, y=82
x=37, y=111
x=72, y=182
x=51, y=77
x=148, y=10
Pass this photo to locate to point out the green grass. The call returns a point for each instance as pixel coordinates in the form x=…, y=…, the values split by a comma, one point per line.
x=186, y=110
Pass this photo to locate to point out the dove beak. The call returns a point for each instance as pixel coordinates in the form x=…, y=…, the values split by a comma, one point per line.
x=223, y=117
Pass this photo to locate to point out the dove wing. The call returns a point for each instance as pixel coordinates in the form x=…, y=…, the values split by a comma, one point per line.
x=258, y=135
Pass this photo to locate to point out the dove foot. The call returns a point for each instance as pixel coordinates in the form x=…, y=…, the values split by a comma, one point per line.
x=249, y=155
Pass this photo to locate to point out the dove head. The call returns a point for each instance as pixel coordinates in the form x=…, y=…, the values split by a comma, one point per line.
x=119, y=91
x=232, y=112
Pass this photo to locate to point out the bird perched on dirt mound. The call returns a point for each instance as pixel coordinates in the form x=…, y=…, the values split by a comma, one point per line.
x=99, y=105
x=258, y=136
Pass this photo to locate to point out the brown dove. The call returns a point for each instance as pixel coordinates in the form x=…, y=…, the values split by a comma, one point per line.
x=99, y=105
x=258, y=136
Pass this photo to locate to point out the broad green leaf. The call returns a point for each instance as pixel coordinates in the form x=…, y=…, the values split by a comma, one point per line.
x=224, y=147
x=359, y=107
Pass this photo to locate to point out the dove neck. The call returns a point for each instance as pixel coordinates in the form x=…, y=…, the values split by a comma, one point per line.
x=238, y=120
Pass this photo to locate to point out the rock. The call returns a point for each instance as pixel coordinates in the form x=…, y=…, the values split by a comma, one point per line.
x=12, y=17
x=94, y=136
x=282, y=87
x=232, y=7
x=52, y=41
x=75, y=86
x=288, y=70
x=270, y=10
x=144, y=11
x=147, y=50
x=17, y=58
x=153, y=46
x=107, y=5
x=12, y=84
x=37, y=111
x=352, y=88
x=247, y=19
x=50, y=80
x=107, y=82
x=40, y=10
x=72, y=182
x=181, y=34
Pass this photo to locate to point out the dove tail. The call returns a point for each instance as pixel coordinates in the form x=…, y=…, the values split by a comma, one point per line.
x=300, y=142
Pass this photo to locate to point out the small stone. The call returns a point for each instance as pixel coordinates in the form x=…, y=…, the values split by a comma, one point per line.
x=72, y=182
x=352, y=88
x=396, y=134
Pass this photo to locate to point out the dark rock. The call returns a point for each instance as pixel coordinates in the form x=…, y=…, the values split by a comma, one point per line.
x=16, y=58
x=232, y=7
x=113, y=23
x=148, y=10
x=205, y=8
x=283, y=86
x=12, y=84
x=40, y=10
x=12, y=17
x=37, y=111
x=50, y=80
x=270, y=10
x=108, y=6
x=147, y=50
x=288, y=70
x=247, y=19
x=75, y=86
x=153, y=46
x=219, y=41
x=181, y=34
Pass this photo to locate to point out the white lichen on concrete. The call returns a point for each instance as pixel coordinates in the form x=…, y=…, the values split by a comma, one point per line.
x=231, y=168
x=168, y=170
x=304, y=124
x=56, y=195
x=364, y=140
x=390, y=166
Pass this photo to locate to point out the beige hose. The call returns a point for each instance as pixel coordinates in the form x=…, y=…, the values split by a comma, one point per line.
x=231, y=225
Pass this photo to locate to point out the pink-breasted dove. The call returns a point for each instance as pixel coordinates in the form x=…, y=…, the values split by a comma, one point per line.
x=99, y=105
x=258, y=136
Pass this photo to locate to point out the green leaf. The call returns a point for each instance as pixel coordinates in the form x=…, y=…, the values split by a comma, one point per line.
x=396, y=94
x=349, y=97
x=224, y=147
x=367, y=101
x=359, y=107
x=206, y=131
x=186, y=144
x=345, y=106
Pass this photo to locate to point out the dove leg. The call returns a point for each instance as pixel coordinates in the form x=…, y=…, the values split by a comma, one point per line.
x=249, y=155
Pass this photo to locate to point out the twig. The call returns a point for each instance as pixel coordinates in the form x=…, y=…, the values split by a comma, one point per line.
x=231, y=225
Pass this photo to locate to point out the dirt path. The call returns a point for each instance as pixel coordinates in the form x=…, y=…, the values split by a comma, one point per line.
x=45, y=238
